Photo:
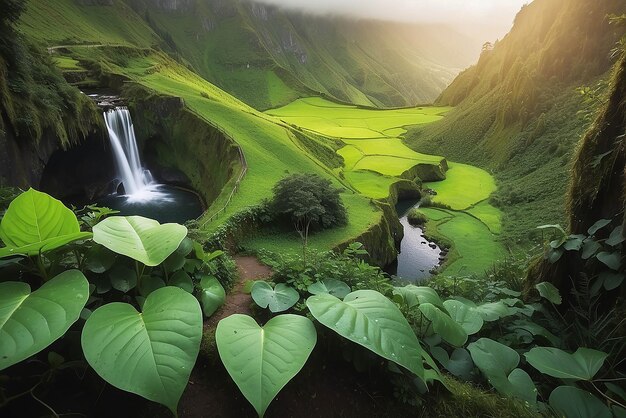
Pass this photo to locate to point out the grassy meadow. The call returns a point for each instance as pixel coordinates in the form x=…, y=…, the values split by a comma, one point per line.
x=375, y=157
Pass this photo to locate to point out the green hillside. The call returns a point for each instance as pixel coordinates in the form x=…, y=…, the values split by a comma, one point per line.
x=268, y=57
x=519, y=112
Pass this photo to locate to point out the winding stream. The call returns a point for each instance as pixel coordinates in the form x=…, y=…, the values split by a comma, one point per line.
x=417, y=255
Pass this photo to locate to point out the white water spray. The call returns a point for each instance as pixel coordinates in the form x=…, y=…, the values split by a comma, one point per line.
x=138, y=182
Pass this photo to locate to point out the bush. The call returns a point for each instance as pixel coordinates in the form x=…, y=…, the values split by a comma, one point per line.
x=309, y=201
x=416, y=218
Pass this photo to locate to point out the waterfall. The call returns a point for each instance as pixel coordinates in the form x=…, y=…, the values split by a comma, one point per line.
x=135, y=178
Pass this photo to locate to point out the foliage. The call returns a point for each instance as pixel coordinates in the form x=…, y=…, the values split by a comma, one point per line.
x=262, y=361
x=309, y=201
x=36, y=222
x=416, y=218
x=369, y=319
x=277, y=299
x=141, y=239
x=46, y=313
x=150, y=354
x=94, y=277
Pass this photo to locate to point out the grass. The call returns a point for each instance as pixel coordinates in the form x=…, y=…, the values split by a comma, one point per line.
x=476, y=247
x=373, y=138
x=67, y=64
x=489, y=215
x=346, y=121
x=271, y=150
x=464, y=187
x=375, y=156
x=62, y=22
x=370, y=184
x=282, y=242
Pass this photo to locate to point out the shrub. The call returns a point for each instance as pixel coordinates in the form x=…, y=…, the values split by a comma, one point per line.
x=416, y=218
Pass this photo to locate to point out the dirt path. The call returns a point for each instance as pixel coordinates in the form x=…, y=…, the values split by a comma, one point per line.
x=238, y=301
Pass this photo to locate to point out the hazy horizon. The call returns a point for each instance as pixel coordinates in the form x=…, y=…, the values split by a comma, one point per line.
x=487, y=19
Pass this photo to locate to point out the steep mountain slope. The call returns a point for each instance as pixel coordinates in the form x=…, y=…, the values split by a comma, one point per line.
x=518, y=111
x=267, y=56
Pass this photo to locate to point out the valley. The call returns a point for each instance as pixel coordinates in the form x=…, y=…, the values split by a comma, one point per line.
x=244, y=208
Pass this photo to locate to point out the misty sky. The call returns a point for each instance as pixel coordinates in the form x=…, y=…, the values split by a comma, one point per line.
x=496, y=14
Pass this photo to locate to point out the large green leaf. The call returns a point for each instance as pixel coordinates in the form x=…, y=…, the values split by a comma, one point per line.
x=492, y=357
x=493, y=311
x=572, y=402
x=370, y=319
x=29, y=322
x=141, y=239
x=150, y=354
x=582, y=365
x=459, y=363
x=498, y=363
x=464, y=315
x=548, y=291
x=443, y=325
x=212, y=296
x=36, y=222
x=262, y=361
x=333, y=286
x=415, y=295
x=279, y=299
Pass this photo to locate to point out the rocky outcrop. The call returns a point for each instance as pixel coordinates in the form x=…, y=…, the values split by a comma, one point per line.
x=181, y=147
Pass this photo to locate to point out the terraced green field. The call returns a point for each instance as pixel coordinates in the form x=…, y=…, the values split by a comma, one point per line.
x=375, y=157
x=475, y=247
x=373, y=138
x=464, y=187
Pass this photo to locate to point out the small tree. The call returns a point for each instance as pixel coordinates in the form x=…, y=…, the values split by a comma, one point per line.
x=310, y=202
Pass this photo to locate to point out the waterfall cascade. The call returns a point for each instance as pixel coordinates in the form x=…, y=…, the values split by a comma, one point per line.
x=138, y=182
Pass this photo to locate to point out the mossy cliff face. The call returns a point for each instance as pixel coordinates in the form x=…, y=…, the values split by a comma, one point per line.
x=382, y=240
x=173, y=137
x=39, y=114
x=598, y=185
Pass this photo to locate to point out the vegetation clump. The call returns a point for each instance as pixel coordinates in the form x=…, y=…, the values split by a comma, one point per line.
x=310, y=202
x=417, y=218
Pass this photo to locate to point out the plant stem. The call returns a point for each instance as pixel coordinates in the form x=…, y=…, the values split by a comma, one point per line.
x=607, y=396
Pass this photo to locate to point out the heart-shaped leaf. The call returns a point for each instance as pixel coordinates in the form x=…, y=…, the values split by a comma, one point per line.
x=590, y=247
x=141, y=239
x=572, y=402
x=150, y=354
x=99, y=259
x=443, y=325
x=183, y=280
x=611, y=260
x=29, y=322
x=212, y=296
x=616, y=237
x=459, y=363
x=279, y=299
x=582, y=365
x=122, y=278
x=548, y=291
x=334, y=287
x=262, y=361
x=493, y=358
x=370, y=319
x=493, y=311
x=36, y=222
x=498, y=363
x=414, y=295
x=464, y=315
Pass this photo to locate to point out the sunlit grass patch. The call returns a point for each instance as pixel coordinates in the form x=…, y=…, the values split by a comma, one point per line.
x=370, y=184
x=476, y=247
x=489, y=215
x=383, y=164
x=464, y=186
